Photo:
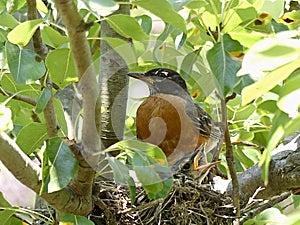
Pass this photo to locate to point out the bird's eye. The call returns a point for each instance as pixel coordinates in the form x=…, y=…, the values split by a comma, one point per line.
x=163, y=74
x=186, y=166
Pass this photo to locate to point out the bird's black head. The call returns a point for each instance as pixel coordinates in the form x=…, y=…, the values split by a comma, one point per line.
x=162, y=80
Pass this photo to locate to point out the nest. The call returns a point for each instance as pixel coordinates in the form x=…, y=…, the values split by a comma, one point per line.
x=188, y=202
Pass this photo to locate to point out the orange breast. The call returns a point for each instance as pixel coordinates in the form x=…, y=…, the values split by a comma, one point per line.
x=161, y=120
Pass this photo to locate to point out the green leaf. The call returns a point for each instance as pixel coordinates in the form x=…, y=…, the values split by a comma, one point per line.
x=150, y=165
x=23, y=65
x=14, y=5
x=178, y=4
x=60, y=116
x=273, y=7
x=5, y=215
x=59, y=166
x=187, y=64
x=247, y=39
x=271, y=216
x=127, y=26
x=123, y=48
x=41, y=6
x=52, y=37
x=164, y=10
x=276, y=134
x=222, y=66
x=289, y=100
x=22, y=33
x=269, y=81
x=132, y=146
x=121, y=175
x=243, y=113
x=43, y=99
x=60, y=63
x=269, y=54
x=7, y=20
x=146, y=23
x=75, y=220
x=37, y=133
x=146, y=174
x=101, y=7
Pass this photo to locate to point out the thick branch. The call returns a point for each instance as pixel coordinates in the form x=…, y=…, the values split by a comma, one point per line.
x=29, y=173
x=80, y=48
x=284, y=175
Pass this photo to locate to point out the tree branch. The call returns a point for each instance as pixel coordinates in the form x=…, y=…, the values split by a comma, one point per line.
x=19, y=97
x=42, y=51
x=230, y=160
x=29, y=173
x=284, y=175
x=87, y=77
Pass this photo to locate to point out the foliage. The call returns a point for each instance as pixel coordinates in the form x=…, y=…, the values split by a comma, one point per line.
x=248, y=47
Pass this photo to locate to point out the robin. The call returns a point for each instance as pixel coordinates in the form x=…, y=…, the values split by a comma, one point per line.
x=170, y=119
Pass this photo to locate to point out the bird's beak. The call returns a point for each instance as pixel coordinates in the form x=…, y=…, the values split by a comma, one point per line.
x=141, y=76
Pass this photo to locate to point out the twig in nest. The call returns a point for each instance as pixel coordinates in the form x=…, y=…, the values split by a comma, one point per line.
x=273, y=201
x=142, y=207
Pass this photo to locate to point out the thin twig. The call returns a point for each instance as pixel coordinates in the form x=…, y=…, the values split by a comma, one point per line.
x=19, y=97
x=142, y=207
x=42, y=51
x=230, y=160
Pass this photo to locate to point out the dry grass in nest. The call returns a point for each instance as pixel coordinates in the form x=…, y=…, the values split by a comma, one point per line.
x=187, y=203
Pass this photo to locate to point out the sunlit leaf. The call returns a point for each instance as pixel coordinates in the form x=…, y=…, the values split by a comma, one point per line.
x=52, y=37
x=37, y=133
x=269, y=81
x=289, y=100
x=70, y=219
x=127, y=27
x=164, y=10
x=7, y=20
x=269, y=54
x=101, y=7
x=61, y=67
x=41, y=6
x=273, y=7
x=22, y=33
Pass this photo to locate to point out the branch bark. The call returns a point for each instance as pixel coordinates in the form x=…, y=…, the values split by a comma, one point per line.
x=76, y=28
x=42, y=51
x=284, y=175
x=29, y=173
x=230, y=160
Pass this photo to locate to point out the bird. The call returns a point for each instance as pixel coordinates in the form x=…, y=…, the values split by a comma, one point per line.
x=170, y=119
